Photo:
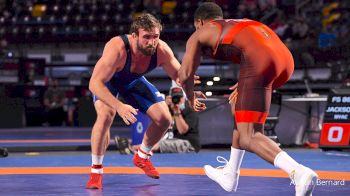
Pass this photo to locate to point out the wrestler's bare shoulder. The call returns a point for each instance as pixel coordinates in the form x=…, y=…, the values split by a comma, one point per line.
x=162, y=45
x=116, y=46
x=116, y=42
x=163, y=48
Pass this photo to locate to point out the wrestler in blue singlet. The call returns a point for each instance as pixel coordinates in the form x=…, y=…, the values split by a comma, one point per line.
x=134, y=88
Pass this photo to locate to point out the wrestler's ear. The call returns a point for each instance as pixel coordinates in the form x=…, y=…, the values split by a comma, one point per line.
x=198, y=23
x=133, y=35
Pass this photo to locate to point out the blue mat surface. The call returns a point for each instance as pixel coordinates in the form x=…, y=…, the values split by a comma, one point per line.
x=141, y=185
x=318, y=160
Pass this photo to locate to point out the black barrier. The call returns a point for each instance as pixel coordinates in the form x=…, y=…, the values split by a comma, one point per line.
x=336, y=125
x=3, y=152
x=11, y=112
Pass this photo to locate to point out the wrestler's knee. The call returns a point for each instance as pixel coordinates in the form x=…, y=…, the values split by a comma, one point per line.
x=164, y=120
x=105, y=117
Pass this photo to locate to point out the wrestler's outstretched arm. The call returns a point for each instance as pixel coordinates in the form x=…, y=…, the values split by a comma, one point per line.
x=188, y=68
x=170, y=64
x=168, y=60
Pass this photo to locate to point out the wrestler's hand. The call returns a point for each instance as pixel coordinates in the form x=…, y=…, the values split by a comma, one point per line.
x=199, y=94
x=196, y=80
x=127, y=113
x=195, y=104
x=233, y=96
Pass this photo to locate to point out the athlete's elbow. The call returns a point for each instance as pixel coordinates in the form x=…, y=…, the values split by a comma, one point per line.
x=92, y=85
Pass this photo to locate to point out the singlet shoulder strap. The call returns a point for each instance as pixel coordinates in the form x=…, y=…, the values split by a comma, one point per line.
x=153, y=61
x=128, y=52
x=126, y=42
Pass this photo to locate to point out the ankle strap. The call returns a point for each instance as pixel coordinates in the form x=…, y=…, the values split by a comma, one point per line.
x=96, y=166
x=143, y=152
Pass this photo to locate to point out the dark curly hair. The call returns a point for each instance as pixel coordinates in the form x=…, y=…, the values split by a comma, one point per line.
x=207, y=11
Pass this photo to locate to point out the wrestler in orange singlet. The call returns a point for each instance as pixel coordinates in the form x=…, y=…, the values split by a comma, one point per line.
x=265, y=64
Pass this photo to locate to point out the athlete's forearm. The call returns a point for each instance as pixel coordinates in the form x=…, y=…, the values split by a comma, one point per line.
x=99, y=89
x=188, y=86
x=186, y=79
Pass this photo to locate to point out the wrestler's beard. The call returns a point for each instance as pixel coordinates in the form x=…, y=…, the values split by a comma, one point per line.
x=146, y=50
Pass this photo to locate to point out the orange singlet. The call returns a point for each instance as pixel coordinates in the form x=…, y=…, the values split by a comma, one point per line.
x=265, y=64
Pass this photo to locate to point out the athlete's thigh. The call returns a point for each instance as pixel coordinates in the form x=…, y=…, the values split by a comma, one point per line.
x=254, y=99
x=142, y=95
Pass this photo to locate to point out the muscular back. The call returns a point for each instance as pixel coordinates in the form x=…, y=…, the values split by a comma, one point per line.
x=231, y=37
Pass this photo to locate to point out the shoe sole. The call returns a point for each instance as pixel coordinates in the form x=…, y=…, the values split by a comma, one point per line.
x=93, y=187
x=212, y=178
x=151, y=176
x=311, y=186
x=154, y=177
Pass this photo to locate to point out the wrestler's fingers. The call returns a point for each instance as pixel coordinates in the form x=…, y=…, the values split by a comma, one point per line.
x=132, y=119
x=234, y=86
x=233, y=94
x=197, y=79
x=200, y=108
x=134, y=111
x=233, y=98
x=200, y=105
x=125, y=120
x=200, y=94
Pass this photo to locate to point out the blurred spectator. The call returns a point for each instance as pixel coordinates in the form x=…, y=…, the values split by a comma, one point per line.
x=330, y=14
x=254, y=12
x=346, y=82
x=168, y=7
x=300, y=28
x=183, y=136
x=54, y=101
x=279, y=25
x=3, y=46
x=266, y=4
x=151, y=6
x=223, y=3
x=241, y=11
x=343, y=37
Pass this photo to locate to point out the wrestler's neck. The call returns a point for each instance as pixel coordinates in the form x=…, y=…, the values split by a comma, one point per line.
x=135, y=52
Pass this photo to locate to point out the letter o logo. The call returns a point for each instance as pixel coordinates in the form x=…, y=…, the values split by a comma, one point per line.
x=139, y=127
x=335, y=134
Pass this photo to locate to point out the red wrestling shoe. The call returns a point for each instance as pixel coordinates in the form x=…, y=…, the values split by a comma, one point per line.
x=95, y=180
x=145, y=165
